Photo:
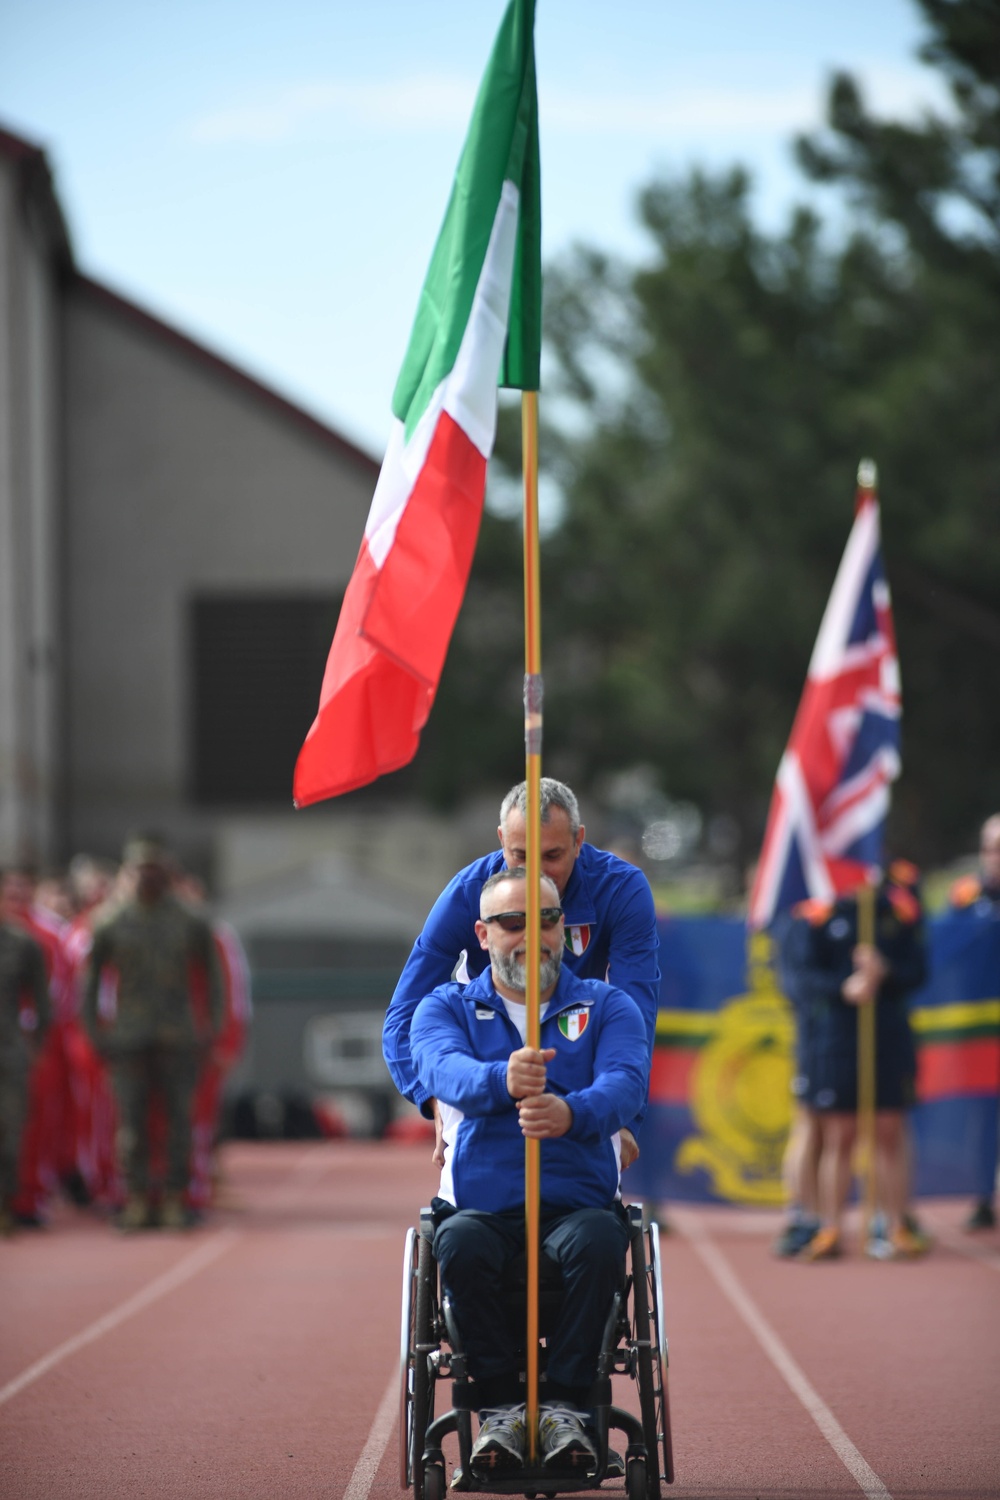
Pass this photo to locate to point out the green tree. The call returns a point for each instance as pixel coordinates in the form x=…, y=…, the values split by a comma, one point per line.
x=706, y=414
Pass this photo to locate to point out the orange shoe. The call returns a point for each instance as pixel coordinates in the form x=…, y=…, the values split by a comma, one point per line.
x=824, y=1245
x=906, y=1245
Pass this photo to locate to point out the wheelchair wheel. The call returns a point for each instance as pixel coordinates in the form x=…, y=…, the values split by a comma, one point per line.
x=661, y=1362
x=643, y=1340
x=416, y=1341
x=406, y=1342
x=635, y=1479
x=434, y=1485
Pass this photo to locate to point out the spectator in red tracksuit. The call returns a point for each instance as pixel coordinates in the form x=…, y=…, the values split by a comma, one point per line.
x=24, y=1019
x=42, y=1160
x=225, y=1053
x=91, y=1106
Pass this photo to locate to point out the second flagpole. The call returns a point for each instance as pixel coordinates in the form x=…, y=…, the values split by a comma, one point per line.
x=866, y=1058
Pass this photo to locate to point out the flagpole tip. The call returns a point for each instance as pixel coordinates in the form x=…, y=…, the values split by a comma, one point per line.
x=867, y=474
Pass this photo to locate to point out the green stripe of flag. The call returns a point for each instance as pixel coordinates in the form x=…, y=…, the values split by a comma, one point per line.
x=501, y=144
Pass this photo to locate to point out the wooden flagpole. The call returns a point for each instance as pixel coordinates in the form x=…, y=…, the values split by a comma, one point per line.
x=533, y=840
x=867, y=484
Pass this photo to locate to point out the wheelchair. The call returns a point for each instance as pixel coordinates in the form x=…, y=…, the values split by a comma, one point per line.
x=633, y=1344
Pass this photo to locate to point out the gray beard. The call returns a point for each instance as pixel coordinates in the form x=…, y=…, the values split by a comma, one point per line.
x=513, y=974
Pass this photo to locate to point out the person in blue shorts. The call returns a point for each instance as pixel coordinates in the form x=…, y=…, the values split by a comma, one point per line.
x=609, y=925
x=833, y=975
x=800, y=1162
x=574, y=1094
x=976, y=899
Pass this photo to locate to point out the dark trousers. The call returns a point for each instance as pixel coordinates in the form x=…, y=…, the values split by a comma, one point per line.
x=474, y=1248
x=13, y=1112
x=169, y=1074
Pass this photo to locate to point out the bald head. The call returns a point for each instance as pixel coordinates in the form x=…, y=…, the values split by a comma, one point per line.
x=989, y=852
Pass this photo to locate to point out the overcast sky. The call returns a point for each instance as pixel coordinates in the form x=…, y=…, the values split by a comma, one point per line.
x=271, y=177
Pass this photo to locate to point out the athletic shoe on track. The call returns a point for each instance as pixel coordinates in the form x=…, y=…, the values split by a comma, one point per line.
x=824, y=1245
x=135, y=1214
x=794, y=1238
x=906, y=1245
x=501, y=1440
x=173, y=1214
x=878, y=1245
x=566, y=1444
x=913, y=1226
x=983, y=1216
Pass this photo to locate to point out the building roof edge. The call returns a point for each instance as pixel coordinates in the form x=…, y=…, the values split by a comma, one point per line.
x=189, y=347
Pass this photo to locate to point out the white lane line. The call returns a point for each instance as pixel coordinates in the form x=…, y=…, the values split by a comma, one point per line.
x=311, y=1166
x=988, y=1258
x=366, y=1467
x=363, y=1229
x=183, y=1271
x=794, y=1377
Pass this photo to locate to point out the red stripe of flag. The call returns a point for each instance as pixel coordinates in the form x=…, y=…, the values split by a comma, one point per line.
x=372, y=705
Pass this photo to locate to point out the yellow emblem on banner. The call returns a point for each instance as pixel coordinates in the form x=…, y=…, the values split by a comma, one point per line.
x=741, y=1091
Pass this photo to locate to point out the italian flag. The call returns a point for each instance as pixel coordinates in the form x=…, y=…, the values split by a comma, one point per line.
x=478, y=326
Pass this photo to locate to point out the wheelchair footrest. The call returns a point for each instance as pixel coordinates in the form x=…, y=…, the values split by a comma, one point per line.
x=533, y=1481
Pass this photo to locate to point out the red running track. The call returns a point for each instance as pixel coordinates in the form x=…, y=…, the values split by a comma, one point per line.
x=257, y=1356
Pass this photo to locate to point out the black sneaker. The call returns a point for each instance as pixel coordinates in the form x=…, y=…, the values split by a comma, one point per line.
x=794, y=1238
x=983, y=1216
x=501, y=1440
x=565, y=1442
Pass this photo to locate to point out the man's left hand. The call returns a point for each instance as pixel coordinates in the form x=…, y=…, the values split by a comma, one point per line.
x=544, y=1116
x=629, y=1147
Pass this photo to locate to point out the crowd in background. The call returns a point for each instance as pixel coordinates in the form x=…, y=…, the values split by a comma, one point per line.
x=124, y=1003
x=67, y=1124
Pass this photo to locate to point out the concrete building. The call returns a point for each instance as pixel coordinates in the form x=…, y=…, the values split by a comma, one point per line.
x=175, y=542
x=35, y=264
x=210, y=530
x=175, y=539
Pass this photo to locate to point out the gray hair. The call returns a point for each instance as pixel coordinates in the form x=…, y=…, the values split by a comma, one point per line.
x=518, y=873
x=552, y=794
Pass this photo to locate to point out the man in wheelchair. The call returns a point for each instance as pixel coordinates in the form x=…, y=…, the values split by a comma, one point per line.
x=588, y=1080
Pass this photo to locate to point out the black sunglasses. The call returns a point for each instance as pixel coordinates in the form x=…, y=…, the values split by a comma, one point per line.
x=516, y=921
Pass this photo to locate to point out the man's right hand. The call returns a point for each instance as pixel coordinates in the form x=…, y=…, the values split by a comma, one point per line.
x=437, y=1156
x=526, y=1071
x=628, y=1148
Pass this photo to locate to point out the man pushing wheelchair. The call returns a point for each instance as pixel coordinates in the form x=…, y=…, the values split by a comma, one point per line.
x=587, y=1082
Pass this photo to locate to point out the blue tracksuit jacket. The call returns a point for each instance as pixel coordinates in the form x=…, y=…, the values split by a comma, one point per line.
x=610, y=934
x=461, y=1039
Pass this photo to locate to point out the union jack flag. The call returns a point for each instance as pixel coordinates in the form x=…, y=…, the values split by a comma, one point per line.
x=826, y=824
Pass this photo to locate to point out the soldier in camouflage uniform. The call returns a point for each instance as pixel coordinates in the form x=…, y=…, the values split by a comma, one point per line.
x=23, y=983
x=155, y=1041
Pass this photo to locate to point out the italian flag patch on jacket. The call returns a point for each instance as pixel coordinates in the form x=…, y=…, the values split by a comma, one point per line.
x=573, y=1023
